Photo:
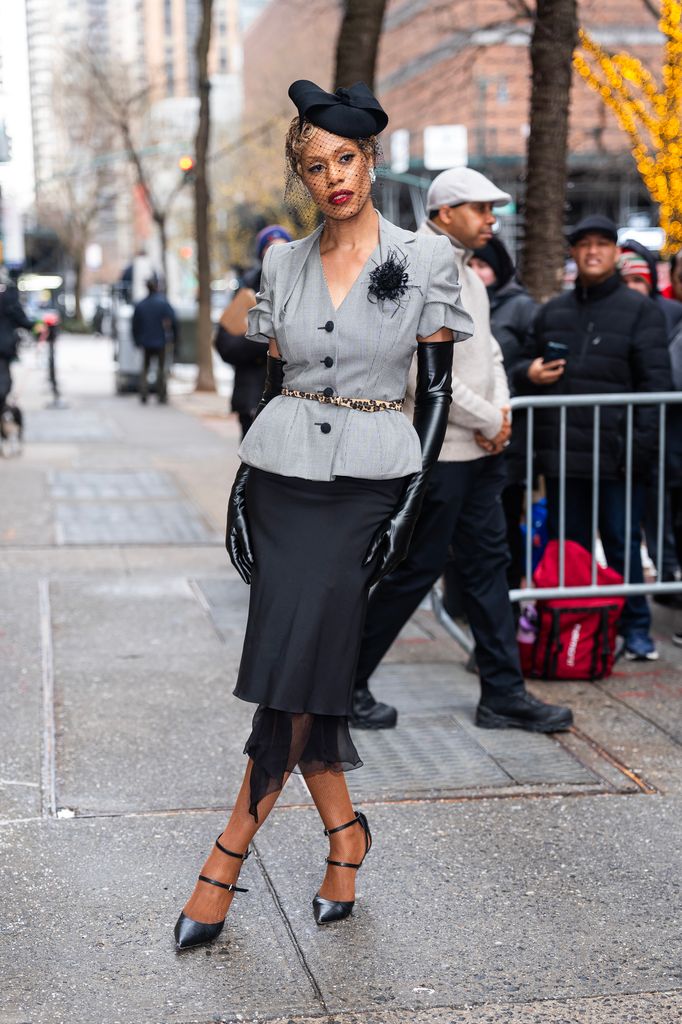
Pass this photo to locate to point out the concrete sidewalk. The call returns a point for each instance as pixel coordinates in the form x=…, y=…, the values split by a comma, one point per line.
x=514, y=878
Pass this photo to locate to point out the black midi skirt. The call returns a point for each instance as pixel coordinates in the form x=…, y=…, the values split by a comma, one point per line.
x=307, y=608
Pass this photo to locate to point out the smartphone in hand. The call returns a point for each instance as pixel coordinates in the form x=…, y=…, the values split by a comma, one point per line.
x=555, y=350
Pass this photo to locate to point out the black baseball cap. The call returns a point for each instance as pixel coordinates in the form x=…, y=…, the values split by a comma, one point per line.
x=595, y=223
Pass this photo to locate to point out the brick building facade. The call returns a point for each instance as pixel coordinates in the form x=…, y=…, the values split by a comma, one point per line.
x=464, y=62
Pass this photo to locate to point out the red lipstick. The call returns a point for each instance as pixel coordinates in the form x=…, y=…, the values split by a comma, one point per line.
x=342, y=196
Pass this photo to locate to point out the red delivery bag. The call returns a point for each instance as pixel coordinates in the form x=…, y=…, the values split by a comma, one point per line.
x=576, y=636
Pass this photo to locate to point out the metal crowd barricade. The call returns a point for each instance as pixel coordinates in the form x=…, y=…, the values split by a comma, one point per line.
x=563, y=403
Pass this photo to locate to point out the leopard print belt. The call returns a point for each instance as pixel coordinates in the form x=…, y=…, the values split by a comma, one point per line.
x=362, y=404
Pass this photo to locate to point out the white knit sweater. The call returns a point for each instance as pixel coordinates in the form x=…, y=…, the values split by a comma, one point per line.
x=479, y=381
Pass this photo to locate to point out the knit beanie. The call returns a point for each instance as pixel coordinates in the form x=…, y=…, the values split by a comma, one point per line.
x=268, y=235
x=631, y=264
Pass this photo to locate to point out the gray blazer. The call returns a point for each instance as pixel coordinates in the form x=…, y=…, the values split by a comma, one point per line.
x=363, y=348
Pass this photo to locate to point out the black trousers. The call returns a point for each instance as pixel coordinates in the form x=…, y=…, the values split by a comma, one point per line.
x=669, y=559
x=246, y=422
x=676, y=516
x=158, y=354
x=512, y=501
x=462, y=512
x=5, y=381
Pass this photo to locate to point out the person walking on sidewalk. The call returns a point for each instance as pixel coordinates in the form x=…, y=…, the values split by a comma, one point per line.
x=155, y=331
x=12, y=316
x=462, y=508
x=614, y=340
x=331, y=481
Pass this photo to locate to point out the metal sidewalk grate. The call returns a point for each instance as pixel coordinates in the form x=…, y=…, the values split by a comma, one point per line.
x=76, y=485
x=439, y=755
x=124, y=507
x=151, y=522
x=59, y=426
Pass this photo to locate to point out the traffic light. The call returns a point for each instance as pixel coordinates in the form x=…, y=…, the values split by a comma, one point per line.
x=186, y=165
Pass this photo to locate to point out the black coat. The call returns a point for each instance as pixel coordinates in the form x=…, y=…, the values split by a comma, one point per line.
x=617, y=342
x=512, y=311
x=11, y=316
x=674, y=417
x=154, y=323
x=249, y=359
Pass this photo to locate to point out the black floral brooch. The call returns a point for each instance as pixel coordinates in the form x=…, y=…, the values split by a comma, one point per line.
x=389, y=280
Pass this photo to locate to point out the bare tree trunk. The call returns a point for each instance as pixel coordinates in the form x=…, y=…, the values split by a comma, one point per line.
x=551, y=53
x=358, y=42
x=205, y=381
x=77, y=284
x=160, y=219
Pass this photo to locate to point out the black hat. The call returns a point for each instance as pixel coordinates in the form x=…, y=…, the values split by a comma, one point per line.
x=594, y=224
x=495, y=254
x=353, y=113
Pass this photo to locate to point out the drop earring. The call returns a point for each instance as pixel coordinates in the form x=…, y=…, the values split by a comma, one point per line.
x=372, y=175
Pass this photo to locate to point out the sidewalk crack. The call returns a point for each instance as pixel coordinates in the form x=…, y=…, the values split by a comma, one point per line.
x=317, y=991
x=48, y=766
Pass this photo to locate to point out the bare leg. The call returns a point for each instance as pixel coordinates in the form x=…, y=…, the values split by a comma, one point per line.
x=332, y=799
x=208, y=903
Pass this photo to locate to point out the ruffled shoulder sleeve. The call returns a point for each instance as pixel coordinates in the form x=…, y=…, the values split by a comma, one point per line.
x=260, y=326
x=442, y=307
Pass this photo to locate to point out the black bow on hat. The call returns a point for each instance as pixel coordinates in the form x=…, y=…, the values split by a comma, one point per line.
x=353, y=113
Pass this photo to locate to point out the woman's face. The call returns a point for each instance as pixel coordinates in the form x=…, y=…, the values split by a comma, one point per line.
x=336, y=173
x=484, y=271
x=676, y=279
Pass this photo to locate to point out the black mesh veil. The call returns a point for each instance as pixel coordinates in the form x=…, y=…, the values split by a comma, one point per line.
x=309, y=153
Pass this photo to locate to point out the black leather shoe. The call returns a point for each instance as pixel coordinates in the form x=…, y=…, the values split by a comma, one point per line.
x=328, y=911
x=669, y=600
x=522, y=711
x=368, y=713
x=190, y=933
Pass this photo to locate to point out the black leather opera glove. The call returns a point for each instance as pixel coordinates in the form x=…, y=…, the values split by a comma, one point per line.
x=237, y=540
x=431, y=406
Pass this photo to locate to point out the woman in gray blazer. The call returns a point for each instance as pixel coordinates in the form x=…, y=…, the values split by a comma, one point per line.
x=331, y=481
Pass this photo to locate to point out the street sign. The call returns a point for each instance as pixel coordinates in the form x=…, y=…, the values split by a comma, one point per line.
x=445, y=145
x=93, y=256
x=400, y=151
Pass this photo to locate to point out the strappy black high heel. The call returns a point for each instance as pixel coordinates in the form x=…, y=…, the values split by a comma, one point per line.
x=327, y=911
x=196, y=933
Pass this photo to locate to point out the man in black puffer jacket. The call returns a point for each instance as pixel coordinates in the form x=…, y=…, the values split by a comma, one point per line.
x=615, y=342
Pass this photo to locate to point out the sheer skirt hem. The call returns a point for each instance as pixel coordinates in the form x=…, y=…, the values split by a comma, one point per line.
x=282, y=742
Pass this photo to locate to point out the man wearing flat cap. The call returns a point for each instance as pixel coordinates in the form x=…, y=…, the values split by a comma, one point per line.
x=462, y=510
x=612, y=339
